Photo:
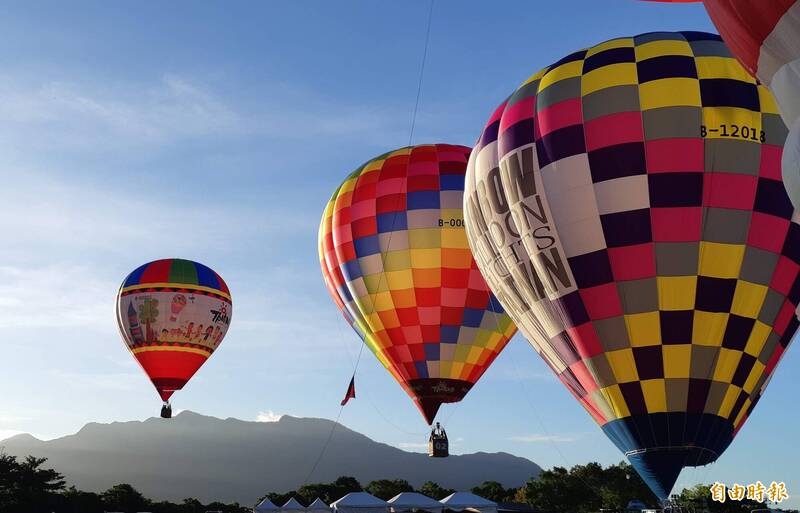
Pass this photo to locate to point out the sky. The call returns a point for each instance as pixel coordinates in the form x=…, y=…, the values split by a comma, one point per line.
x=217, y=132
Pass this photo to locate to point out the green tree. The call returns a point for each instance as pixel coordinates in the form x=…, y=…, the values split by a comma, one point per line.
x=556, y=491
x=387, y=488
x=586, y=488
x=26, y=486
x=279, y=499
x=124, y=497
x=434, y=491
x=311, y=491
x=700, y=495
x=494, y=491
x=77, y=501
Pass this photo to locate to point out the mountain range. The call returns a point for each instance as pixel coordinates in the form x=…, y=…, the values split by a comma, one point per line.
x=193, y=455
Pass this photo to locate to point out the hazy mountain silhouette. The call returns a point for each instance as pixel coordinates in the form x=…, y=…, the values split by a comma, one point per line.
x=213, y=459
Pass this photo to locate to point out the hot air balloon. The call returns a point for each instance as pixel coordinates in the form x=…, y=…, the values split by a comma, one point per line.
x=626, y=206
x=172, y=315
x=395, y=259
x=765, y=37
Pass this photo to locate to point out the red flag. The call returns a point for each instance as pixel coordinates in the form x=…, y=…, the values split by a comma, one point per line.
x=351, y=391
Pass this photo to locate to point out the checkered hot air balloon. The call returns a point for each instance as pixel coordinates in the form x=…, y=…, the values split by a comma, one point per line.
x=395, y=259
x=172, y=315
x=625, y=204
x=765, y=36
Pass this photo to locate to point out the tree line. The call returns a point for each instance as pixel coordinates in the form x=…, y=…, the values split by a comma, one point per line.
x=28, y=486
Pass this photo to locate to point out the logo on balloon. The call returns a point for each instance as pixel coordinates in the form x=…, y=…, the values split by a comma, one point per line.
x=221, y=315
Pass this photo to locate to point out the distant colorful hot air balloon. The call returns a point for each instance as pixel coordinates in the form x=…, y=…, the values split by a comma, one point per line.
x=395, y=259
x=626, y=206
x=172, y=315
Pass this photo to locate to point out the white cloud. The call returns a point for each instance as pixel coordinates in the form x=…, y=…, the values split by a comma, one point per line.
x=168, y=109
x=79, y=115
x=268, y=416
x=53, y=296
x=536, y=438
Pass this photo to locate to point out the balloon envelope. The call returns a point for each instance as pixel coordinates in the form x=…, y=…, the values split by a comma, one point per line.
x=626, y=206
x=395, y=258
x=172, y=315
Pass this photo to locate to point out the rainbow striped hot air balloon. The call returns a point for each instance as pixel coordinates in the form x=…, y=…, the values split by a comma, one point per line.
x=173, y=314
x=626, y=206
x=395, y=259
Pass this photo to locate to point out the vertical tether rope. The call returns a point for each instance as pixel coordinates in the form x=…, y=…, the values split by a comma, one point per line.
x=394, y=218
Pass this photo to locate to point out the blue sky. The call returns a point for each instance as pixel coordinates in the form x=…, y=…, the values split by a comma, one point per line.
x=217, y=131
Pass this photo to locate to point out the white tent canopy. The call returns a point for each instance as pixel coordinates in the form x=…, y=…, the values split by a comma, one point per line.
x=411, y=501
x=460, y=501
x=292, y=506
x=266, y=506
x=360, y=502
x=318, y=505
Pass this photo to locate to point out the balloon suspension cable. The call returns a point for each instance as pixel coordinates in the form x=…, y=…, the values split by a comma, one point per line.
x=421, y=74
x=389, y=243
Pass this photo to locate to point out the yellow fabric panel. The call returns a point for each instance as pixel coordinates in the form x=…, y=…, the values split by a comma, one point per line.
x=655, y=395
x=721, y=260
x=364, y=303
x=568, y=70
x=374, y=322
x=758, y=337
x=623, y=73
x=621, y=42
x=623, y=365
x=397, y=280
x=752, y=379
x=474, y=355
x=767, y=101
x=383, y=301
x=730, y=399
x=677, y=360
x=179, y=349
x=396, y=260
x=715, y=116
x=664, y=47
x=536, y=76
x=709, y=328
x=376, y=283
x=669, y=92
x=455, y=238
x=617, y=401
x=644, y=329
x=748, y=299
x=742, y=412
x=426, y=258
x=721, y=67
x=676, y=292
x=424, y=238
x=346, y=190
x=727, y=361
